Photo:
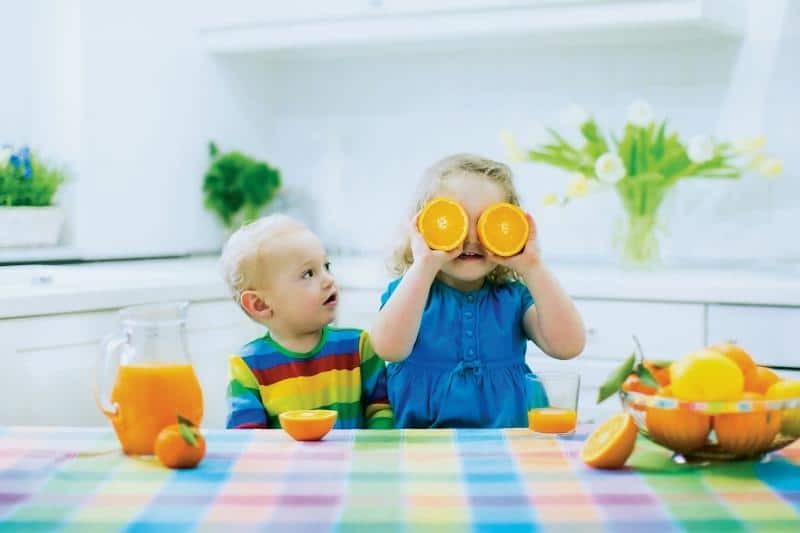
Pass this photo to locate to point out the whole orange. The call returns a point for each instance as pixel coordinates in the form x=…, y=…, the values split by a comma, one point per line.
x=660, y=373
x=790, y=418
x=706, y=375
x=765, y=378
x=175, y=451
x=738, y=355
x=634, y=383
x=747, y=434
x=679, y=430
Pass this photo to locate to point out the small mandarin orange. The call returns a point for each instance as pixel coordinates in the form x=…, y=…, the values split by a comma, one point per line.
x=174, y=448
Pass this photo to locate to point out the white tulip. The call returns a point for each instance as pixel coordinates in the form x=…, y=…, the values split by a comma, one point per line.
x=5, y=155
x=550, y=199
x=575, y=116
x=752, y=145
x=770, y=167
x=513, y=151
x=609, y=168
x=701, y=149
x=640, y=113
x=577, y=187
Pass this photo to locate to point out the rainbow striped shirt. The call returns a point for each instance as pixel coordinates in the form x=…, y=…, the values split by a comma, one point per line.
x=342, y=373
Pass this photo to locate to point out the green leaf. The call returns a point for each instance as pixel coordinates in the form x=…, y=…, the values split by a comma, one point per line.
x=188, y=434
x=185, y=421
x=615, y=380
x=645, y=376
x=187, y=430
x=212, y=149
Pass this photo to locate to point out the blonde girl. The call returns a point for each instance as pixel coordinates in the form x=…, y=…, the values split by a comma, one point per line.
x=454, y=325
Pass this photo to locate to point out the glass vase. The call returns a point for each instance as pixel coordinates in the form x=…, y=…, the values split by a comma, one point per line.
x=641, y=199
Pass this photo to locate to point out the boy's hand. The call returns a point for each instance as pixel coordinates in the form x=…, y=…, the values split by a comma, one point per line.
x=423, y=255
x=530, y=256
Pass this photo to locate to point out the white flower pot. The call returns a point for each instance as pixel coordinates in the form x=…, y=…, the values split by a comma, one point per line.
x=30, y=226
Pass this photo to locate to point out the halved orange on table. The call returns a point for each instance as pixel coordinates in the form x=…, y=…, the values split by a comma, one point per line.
x=503, y=229
x=308, y=424
x=443, y=224
x=611, y=443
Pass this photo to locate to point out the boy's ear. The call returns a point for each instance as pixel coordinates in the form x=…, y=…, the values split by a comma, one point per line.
x=255, y=305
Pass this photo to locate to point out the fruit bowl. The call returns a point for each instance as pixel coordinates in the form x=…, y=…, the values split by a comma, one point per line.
x=703, y=432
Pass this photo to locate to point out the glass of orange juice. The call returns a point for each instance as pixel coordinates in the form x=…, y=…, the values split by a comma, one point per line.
x=552, y=399
x=145, y=377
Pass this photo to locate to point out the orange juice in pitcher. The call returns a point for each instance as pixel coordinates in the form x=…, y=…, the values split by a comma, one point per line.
x=153, y=380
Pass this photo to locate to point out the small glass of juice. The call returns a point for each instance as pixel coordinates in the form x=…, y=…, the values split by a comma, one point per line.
x=552, y=399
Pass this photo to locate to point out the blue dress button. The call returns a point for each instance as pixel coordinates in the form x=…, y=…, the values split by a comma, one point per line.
x=468, y=314
x=469, y=333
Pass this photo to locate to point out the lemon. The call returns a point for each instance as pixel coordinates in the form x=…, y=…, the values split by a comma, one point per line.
x=783, y=390
x=706, y=375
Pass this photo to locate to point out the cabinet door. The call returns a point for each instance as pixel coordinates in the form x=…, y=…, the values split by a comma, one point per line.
x=768, y=333
x=665, y=330
x=47, y=369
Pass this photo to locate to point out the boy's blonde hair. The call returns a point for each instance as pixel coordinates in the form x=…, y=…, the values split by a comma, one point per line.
x=242, y=262
x=432, y=182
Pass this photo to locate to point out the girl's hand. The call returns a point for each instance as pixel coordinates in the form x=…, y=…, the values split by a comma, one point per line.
x=528, y=258
x=423, y=254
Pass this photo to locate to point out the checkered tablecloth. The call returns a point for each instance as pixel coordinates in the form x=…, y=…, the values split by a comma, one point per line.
x=437, y=480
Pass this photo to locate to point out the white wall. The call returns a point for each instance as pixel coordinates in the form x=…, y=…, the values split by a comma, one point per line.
x=15, y=75
x=381, y=116
x=146, y=98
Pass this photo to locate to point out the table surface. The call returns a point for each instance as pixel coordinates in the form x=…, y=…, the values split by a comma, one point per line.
x=438, y=480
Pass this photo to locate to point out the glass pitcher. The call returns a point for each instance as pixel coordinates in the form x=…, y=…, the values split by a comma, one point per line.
x=151, y=379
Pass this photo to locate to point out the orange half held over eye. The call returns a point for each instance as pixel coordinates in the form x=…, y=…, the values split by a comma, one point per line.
x=443, y=224
x=503, y=229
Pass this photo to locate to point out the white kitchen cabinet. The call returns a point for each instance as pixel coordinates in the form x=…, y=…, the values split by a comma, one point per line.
x=250, y=25
x=47, y=363
x=768, y=333
x=665, y=330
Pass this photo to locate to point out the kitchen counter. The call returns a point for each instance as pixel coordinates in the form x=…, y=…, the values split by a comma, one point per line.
x=367, y=480
x=32, y=290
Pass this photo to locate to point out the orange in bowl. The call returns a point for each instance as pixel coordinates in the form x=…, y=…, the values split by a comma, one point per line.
x=308, y=424
x=503, y=229
x=764, y=379
x=738, y=355
x=747, y=433
x=443, y=224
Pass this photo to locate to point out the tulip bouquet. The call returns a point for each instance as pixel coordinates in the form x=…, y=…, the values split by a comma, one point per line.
x=641, y=166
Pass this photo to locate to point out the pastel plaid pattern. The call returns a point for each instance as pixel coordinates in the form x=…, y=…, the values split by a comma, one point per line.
x=382, y=480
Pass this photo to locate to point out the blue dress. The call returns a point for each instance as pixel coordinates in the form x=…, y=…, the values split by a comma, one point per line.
x=467, y=367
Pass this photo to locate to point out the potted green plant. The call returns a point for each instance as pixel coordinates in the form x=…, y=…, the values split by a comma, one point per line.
x=642, y=166
x=27, y=186
x=238, y=187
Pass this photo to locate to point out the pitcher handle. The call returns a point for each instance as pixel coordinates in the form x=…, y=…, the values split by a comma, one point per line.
x=106, y=370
